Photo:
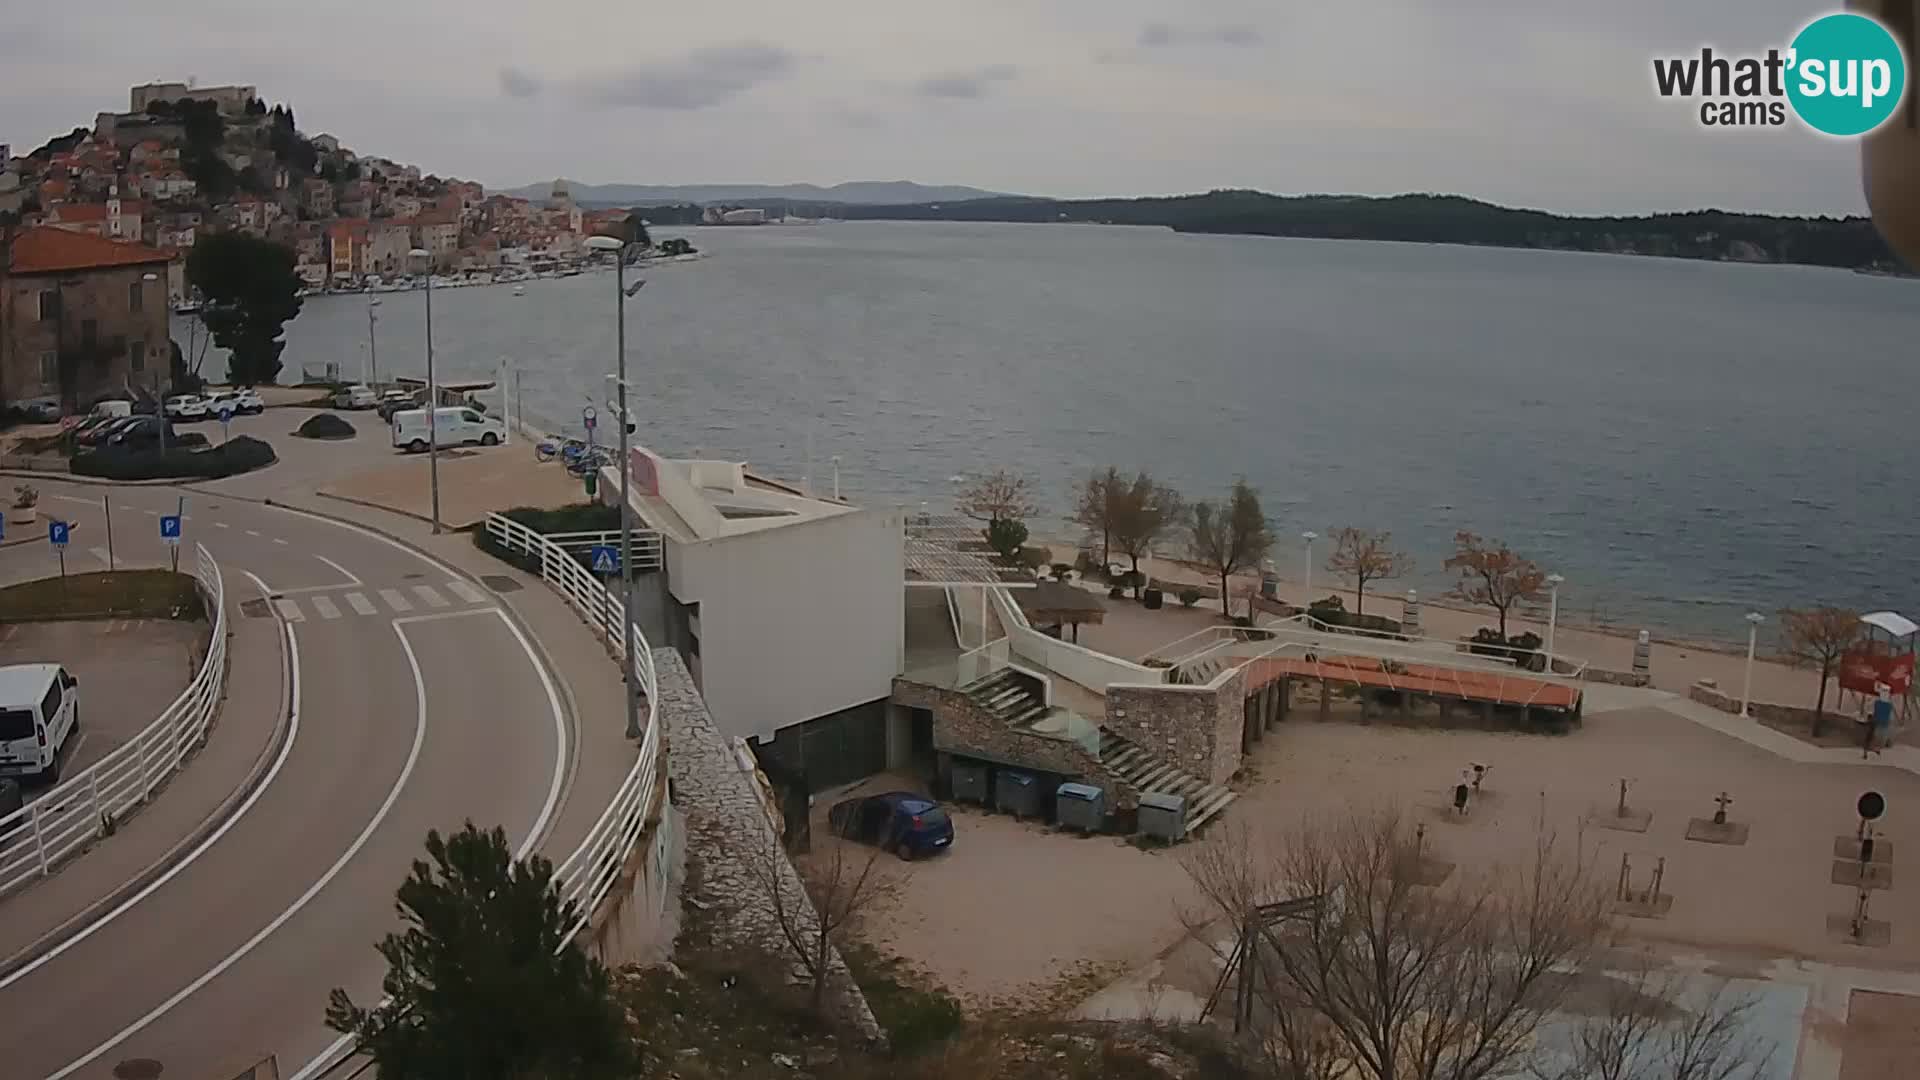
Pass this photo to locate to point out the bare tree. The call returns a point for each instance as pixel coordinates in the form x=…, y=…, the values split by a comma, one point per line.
x=1492, y=575
x=1229, y=537
x=1144, y=511
x=1384, y=978
x=1093, y=507
x=1657, y=1026
x=1001, y=495
x=1366, y=555
x=1818, y=638
x=814, y=905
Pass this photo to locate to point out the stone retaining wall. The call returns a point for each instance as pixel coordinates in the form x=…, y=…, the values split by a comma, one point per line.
x=962, y=727
x=1617, y=678
x=1193, y=728
x=1706, y=693
x=716, y=785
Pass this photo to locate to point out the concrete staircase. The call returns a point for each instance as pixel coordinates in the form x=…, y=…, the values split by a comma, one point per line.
x=1133, y=764
x=1009, y=696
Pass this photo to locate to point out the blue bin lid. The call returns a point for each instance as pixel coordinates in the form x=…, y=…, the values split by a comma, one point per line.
x=1162, y=800
x=1023, y=779
x=1077, y=791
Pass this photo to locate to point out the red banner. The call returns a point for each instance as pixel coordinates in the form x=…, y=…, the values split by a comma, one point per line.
x=1864, y=672
x=644, y=472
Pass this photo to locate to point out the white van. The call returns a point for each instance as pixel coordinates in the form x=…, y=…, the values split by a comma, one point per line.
x=454, y=424
x=39, y=712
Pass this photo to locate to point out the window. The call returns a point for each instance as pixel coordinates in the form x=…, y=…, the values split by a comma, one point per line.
x=136, y=295
x=49, y=368
x=49, y=305
x=470, y=416
x=137, y=355
x=15, y=724
x=51, y=704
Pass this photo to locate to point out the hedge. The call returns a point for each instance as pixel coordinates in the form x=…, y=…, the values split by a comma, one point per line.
x=238, y=455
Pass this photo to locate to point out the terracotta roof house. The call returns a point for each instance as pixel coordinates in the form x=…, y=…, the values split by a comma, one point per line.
x=81, y=317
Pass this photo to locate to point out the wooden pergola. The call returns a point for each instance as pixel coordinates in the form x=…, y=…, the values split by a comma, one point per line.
x=1057, y=604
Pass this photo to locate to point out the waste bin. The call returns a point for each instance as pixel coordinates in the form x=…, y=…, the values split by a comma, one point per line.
x=1080, y=806
x=1016, y=793
x=969, y=783
x=1163, y=816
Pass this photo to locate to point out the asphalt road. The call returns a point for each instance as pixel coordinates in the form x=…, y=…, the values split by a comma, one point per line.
x=417, y=705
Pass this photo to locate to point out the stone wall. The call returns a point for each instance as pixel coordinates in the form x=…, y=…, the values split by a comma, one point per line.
x=962, y=727
x=1194, y=728
x=1706, y=693
x=715, y=784
x=1616, y=678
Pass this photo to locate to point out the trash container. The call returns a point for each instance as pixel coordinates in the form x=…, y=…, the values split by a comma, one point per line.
x=1016, y=793
x=1163, y=816
x=969, y=783
x=1080, y=806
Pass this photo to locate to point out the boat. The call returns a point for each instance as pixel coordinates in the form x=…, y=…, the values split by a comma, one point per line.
x=519, y=290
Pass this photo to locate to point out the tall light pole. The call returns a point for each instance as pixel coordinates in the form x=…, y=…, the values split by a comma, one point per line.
x=1754, y=619
x=433, y=396
x=1553, y=615
x=373, y=346
x=620, y=294
x=1309, y=537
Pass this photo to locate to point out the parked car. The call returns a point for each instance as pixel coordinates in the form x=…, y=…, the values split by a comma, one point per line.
x=99, y=434
x=249, y=401
x=393, y=401
x=144, y=431
x=357, y=396
x=898, y=821
x=186, y=407
x=453, y=425
x=39, y=711
x=43, y=409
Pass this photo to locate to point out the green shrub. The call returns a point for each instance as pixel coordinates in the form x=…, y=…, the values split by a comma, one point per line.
x=1189, y=596
x=240, y=454
x=1007, y=537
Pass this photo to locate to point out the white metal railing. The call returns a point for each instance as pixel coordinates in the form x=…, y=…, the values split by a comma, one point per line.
x=1094, y=670
x=647, y=549
x=585, y=877
x=89, y=804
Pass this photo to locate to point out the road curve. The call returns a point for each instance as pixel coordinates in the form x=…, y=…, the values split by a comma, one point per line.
x=419, y=706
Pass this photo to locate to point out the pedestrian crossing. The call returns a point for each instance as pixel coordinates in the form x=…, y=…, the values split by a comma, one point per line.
x=326, y=608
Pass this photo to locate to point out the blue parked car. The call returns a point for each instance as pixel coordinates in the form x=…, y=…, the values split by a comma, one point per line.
x=898, y=821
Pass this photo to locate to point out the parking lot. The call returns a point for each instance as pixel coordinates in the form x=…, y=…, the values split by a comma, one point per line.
x=129, y=670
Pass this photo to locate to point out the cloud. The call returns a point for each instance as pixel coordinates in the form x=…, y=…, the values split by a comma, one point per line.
x=965, y=85
x=1164, y=35
x=701, y=78
x=519, y=84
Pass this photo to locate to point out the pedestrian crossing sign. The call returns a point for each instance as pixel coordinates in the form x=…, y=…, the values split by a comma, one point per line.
x=605, y=559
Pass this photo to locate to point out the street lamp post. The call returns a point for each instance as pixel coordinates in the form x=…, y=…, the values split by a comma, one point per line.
x=373, y=345
x=1553, y=615
x=1309, y=537
x=1754, y=619
x=433, y=396
x=620, y=294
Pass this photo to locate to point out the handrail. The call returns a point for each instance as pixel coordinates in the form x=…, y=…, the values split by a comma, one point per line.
x=647, y=549
x=91, y=803
x=585, y=877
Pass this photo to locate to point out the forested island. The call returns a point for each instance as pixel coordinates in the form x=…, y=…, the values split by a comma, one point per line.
x=1849, y=242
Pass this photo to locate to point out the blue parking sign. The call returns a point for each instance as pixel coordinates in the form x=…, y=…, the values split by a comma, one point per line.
x=170, y=528
x=57, y=533
x=605, y=559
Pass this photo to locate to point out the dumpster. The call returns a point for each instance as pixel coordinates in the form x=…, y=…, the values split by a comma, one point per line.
x=1016, y=793
x=1080, y=806
x=969, y=783
x=1163, y=816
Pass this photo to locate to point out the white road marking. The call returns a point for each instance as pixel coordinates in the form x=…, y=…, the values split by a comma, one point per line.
x=279, y=541
x=466, y=592
x=395, y=600
x=221, y=525
x=289, y=610
x=360, y=604
x=326, y=1058
x=429, y=597
x=151, y=513
x=251, y=532
x=101, y=554
x=344, y=572
x=380, y=815
x=325, y=607
x=293, y=733
x=76, y=499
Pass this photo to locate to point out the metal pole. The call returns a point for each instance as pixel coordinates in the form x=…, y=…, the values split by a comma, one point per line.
x=433, y=411
x=626, y=502
x=1746, y=689
x=1309, y=585
x=373, y=349
x=106, y=508
x=1553, y=618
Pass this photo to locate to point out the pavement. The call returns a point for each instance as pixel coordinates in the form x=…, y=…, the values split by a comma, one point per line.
x=428, y=685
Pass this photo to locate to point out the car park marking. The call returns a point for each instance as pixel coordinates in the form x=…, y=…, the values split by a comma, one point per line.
x=396, y=601
x=325, y=607
x=289, y=610
x=466, y=592
x=427, y=594
x=360, y=604
x=279, y=541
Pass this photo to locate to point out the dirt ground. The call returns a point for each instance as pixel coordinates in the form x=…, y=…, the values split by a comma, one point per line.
x=128, y=669
x=1882, y=1038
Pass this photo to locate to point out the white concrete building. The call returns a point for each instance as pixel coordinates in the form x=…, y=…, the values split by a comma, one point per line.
x=789, y=608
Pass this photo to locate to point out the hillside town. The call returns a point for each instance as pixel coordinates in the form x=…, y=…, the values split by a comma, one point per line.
x=184, y=161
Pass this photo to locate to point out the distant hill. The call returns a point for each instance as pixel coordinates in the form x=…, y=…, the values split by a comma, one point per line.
x=1445, y=219
x=867, y=192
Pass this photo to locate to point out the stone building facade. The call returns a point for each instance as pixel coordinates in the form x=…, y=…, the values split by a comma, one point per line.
x=962, y=727
x=81, y=317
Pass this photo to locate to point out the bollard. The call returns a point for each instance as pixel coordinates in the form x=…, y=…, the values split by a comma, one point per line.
x=1410, y=614
x=1643, y=654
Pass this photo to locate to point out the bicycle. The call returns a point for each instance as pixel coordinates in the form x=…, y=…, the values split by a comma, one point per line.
x=547, y=449
x=588, y=462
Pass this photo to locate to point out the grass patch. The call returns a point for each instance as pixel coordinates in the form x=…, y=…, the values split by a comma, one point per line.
x=119, y=594
x=916, y=1018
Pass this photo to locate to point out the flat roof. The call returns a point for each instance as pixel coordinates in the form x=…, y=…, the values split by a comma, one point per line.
x=696, y=499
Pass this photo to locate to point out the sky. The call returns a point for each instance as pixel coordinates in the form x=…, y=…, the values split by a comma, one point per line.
x=1546, y=104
